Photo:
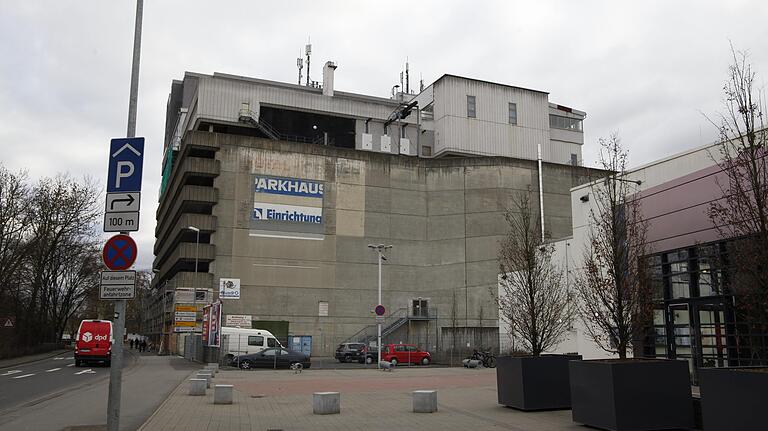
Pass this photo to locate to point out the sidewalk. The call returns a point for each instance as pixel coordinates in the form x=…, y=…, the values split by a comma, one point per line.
x=370, y=400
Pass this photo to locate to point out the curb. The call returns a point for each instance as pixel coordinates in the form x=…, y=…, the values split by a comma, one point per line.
x=165, y=401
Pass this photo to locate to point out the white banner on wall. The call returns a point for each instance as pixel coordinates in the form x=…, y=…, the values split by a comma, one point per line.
x=239, y=320
x=229, y=288
x=287, y=213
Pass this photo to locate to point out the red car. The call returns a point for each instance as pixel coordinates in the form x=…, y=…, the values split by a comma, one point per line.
x=405, y=354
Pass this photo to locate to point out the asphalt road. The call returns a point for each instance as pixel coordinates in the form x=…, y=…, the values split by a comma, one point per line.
x=35, y=380
x=53, y=394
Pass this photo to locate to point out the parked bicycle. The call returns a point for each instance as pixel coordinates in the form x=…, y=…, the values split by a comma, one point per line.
x=487, y=358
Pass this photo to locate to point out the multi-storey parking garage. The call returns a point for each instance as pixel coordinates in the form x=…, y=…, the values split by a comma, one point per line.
x=279, y=189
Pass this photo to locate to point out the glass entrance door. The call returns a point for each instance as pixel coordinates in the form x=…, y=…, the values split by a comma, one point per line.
x=696, y=332
x=713, y=345
x=682, y=344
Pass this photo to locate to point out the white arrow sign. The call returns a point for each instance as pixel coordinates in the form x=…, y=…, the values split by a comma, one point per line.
x=126, y=147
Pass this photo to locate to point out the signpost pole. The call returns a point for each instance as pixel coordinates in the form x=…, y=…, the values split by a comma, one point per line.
x=116, y=370
x=378, y=324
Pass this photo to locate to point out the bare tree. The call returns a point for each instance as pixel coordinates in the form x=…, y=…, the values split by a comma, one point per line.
x=137, y=311
x=532, y=299
x=14, y=228
x=60, y=265
x=614, y=297
x=742, y=214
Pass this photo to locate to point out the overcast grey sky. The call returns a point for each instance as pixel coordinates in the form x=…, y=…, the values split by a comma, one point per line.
x=643, y=68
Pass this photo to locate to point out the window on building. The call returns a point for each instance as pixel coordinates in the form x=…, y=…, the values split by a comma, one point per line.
x=255, y=340
x=471, y=107
x=426, y=151
x=512, y=113
x=564, y=123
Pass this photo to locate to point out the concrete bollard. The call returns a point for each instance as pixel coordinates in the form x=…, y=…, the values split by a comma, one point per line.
x=207, y=376
x=424, y=401
x=213, y=365
x=210, y=369
x=222, y=394
x=326, y=403
x=197, y=386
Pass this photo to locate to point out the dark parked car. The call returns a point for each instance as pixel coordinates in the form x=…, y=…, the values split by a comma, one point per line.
x=272, y=357
x=348, y=352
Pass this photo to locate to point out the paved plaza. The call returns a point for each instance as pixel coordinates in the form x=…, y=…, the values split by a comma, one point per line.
x=370, y=400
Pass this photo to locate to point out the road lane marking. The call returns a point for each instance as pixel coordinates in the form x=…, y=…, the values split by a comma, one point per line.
x=22, y=376
x=71, y=365
x=52, y=369
x=88, y=371
x=8, y=373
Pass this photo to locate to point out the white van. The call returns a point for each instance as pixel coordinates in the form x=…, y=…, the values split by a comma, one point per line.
x=242, y=341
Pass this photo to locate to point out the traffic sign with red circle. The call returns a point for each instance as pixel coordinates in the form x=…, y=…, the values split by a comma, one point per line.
x=380, y=310
x=119, y=252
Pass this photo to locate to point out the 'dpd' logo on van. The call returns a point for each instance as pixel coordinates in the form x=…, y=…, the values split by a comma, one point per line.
x=87, y=337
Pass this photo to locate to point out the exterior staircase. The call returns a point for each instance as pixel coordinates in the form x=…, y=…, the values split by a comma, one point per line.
x=391, y=323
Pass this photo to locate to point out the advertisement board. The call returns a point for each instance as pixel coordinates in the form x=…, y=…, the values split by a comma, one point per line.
x=287, y=205
x=214, y=325
x=229, y=288
x=206, y=324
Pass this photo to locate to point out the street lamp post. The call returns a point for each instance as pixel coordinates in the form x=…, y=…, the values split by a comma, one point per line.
x=194, y=282
x=380, y=248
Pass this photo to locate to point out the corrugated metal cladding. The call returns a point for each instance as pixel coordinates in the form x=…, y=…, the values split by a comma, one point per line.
x=220, y=98
x=560, y=152
x=490, y=132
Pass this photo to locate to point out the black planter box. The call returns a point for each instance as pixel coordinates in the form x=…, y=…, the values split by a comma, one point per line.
x=534, y=382
x=734, y=399
x=632, y=394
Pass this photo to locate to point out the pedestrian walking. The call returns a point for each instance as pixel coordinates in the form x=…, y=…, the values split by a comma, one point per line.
x=143, y=345
x=131, y=343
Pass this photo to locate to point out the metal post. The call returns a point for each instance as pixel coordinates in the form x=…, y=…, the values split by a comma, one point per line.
x=378, y=342
x=116, y=369
x=194, y=283
x=541, y=194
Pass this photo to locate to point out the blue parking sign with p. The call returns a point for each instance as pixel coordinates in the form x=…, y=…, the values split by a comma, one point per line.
x=126, y=156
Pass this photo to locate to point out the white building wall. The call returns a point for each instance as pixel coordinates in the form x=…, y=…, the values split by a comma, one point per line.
x=490, y=132
x=220, y=97
x=569, y=252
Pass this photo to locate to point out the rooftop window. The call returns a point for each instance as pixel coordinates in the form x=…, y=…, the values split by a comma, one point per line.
x=564, y=123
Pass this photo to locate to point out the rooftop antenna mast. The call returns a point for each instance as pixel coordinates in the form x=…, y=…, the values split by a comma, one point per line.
x=308, y=51
x=421, y=83
x=300, y=65
x=407, y=78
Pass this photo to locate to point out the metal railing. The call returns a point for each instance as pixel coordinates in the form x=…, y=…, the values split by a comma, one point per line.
x=391, y=323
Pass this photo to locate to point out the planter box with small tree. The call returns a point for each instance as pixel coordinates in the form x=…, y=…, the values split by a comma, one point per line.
x=538, y=310
x=736, y=399
x=615, y=304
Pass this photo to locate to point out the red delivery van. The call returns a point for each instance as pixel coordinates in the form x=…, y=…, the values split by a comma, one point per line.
x=94, y=342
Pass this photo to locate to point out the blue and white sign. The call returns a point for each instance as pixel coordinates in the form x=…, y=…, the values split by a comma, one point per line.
x=288, y=186
x=126, y=158
x=287, y=213
x=229, y=288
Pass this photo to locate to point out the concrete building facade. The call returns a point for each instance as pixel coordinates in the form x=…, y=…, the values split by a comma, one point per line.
x=287, y=209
